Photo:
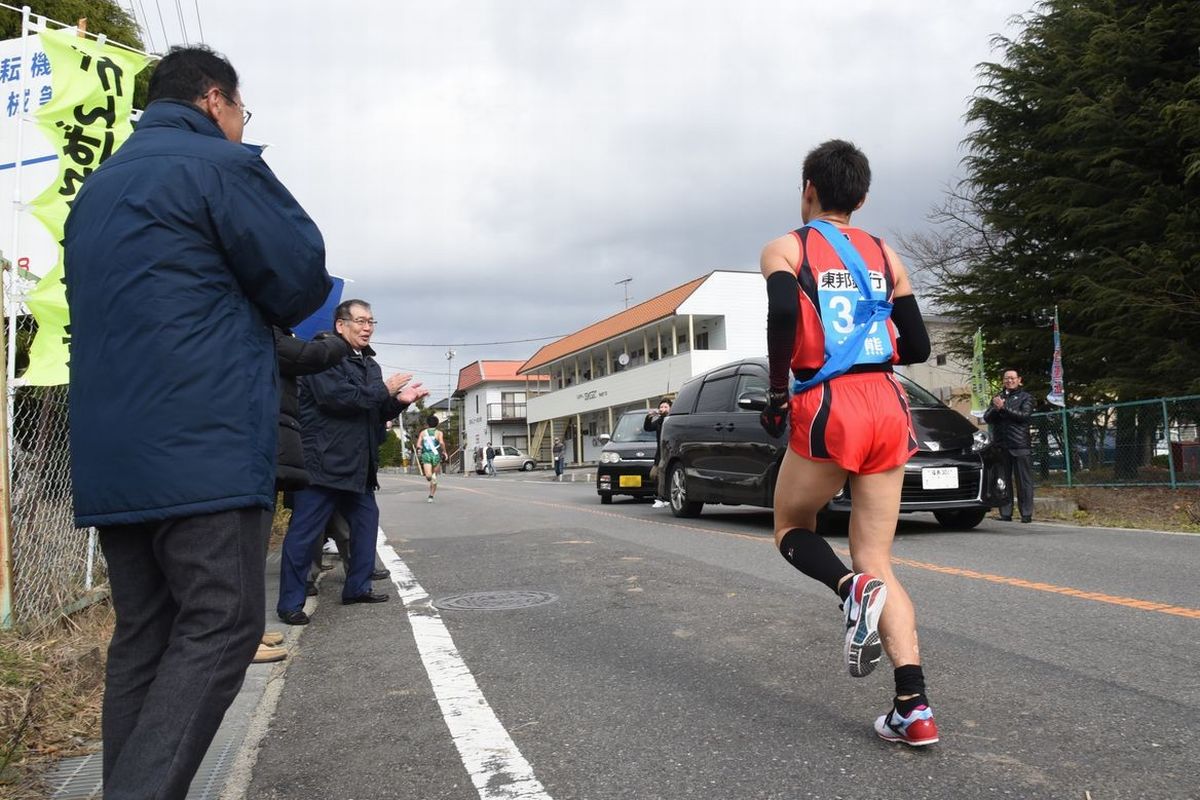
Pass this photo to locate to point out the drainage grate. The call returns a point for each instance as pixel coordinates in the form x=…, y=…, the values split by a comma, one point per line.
x=494, y=601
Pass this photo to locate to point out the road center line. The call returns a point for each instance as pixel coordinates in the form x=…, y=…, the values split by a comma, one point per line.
x=1082, y=594
x=497, y=768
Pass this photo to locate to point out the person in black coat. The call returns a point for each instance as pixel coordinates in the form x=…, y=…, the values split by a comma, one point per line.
x=298, y=357
x=1009, y=417
x=343, y=416
x=654, y=422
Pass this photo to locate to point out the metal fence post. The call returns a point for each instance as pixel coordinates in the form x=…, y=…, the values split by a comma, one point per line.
x=1066, y=440
x=1167, y=436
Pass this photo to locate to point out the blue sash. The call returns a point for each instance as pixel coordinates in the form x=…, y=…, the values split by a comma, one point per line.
x=842, y=355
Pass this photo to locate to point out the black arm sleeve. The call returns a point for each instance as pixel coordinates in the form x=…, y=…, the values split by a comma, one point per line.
x=913, y=342
x=298, y=357
x=783, y=307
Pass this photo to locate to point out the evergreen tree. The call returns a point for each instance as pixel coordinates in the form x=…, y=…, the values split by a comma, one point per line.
x=1082, y=190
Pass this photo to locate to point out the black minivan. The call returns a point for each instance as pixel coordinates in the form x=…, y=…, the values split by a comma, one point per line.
x=715, y=451
x=626, y=459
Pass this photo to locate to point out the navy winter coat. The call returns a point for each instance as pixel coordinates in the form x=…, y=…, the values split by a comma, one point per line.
x=182, y=250
x=343, y=416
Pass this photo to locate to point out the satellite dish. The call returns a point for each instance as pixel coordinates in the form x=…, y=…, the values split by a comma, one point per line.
x=623, y=359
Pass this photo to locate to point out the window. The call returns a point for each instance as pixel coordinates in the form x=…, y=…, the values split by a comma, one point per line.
x=476, y=404
x=941, y=359
x=512, y=441
x=715, y=395
x=755, y=382
x=702, y=341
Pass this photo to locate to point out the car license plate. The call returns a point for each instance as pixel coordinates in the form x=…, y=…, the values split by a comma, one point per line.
x=633, y=481
x=939, y=478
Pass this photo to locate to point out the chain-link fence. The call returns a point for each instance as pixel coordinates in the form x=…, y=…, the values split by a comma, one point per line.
x=54, y=563
x=1146, y=443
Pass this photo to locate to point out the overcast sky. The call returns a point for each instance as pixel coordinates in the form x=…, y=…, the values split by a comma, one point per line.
x=486, y=170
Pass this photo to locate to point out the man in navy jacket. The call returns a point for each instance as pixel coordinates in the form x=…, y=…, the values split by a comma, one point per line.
x=182, y=250
x=343, y=419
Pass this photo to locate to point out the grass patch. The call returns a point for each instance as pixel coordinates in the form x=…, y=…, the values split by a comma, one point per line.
x=1147, y=507
x=51, y=688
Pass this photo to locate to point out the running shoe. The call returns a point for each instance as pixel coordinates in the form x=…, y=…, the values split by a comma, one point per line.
x=429, y=499
x=916, y=730
x=863, y=607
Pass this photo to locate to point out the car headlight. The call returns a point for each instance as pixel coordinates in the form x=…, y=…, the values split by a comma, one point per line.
x=980, y=440
x=610, y=458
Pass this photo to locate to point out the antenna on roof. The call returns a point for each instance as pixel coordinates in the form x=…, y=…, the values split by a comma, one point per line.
x=626, y=284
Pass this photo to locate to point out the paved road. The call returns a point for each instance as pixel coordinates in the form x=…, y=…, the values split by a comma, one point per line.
x=686, y=659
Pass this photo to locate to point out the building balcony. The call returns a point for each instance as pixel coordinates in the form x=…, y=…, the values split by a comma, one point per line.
x=506, y=412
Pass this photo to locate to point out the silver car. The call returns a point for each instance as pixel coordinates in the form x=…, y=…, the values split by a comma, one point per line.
x=507, y=457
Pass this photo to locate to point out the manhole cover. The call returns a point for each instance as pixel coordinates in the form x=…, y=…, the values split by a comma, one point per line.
x=494, y=601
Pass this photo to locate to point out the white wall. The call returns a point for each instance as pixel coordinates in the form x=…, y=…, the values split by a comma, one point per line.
x=741, y=297
x=625, y=386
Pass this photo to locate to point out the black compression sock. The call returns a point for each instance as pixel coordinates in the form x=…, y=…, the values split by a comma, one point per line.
x=813, y=556
x=910, y=679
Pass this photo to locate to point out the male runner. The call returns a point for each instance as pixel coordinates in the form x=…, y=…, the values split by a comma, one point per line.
x=850, y=419
x=431, y=449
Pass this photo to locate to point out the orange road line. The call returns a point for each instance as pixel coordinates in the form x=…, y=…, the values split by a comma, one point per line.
x=1099, y=597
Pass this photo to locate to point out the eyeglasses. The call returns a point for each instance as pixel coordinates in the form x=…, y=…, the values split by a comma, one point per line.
x=361, y=322
x=246, y=113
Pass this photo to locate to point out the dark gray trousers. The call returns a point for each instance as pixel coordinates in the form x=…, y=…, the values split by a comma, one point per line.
x=1019, y=462
x=189, y=598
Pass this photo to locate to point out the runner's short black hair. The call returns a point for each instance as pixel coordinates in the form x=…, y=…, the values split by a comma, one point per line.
x=840, y=173
x=432, y=420
x=186, y=73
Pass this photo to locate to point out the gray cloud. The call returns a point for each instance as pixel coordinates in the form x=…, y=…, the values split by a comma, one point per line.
x=486, y=170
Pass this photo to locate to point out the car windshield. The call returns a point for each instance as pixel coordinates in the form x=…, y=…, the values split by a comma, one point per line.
x=629, y=429
x=918, y=397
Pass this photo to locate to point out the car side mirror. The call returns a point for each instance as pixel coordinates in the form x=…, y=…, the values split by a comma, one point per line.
x=753, y=400
x=604, y=437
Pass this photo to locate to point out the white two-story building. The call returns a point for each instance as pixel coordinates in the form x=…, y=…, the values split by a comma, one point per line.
x=494, y=400
x=632, y=359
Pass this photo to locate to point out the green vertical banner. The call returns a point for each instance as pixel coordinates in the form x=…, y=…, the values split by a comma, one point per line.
x=979, y=385
x=87, y=119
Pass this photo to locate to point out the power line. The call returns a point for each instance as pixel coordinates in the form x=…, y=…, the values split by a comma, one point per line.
x=163, y=25
x=182, y=22
x=467, y=344
x=199, y=23
x=144, y=27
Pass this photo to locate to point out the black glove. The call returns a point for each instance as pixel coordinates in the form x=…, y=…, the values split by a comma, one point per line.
x=774, y=417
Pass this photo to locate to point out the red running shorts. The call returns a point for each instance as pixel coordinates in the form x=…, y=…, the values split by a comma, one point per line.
x=859, y=421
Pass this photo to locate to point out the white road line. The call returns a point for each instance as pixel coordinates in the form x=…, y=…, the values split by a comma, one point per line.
x=496, y=766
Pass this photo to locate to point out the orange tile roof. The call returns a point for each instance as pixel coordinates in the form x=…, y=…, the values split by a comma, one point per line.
x=654, y=309
x=480, y=371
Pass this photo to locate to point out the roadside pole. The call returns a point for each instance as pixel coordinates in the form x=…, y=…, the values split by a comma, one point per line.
x=6, y=561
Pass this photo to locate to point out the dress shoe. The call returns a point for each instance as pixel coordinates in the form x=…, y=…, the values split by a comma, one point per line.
x=272, y=638
x=294, y=617
x=369, y=597
x=380, y=575
x=310, y=589
x=1026, y=519
x=267, y=654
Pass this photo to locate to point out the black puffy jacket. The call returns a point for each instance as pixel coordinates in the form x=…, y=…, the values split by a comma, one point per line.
x=343, y=416
x=297, y=357
x=1011, y=423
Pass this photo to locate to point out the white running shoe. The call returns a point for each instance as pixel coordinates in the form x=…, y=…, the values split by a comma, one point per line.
x=863, y=607
x=429, y=499
x=918, y=729
x=659, y=503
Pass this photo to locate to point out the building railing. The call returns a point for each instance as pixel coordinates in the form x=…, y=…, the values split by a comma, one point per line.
x=503, y=412
x=1142, y=443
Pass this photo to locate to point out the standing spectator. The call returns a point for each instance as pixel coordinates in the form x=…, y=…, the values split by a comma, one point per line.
x=559, y=453
x=1009, y=415
x=343, y=419
x=182, y=250
x=296, y=357
x=490, y=455
x=654, y=422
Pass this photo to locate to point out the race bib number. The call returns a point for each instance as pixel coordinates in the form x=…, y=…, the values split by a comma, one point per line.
x=838, y=295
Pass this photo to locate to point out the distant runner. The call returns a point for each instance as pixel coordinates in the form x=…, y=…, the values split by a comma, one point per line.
x=840, y=313
x=431, y=451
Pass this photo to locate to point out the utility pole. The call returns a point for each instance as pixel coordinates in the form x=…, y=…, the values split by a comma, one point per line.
x=625, y=282
x=449, y=391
